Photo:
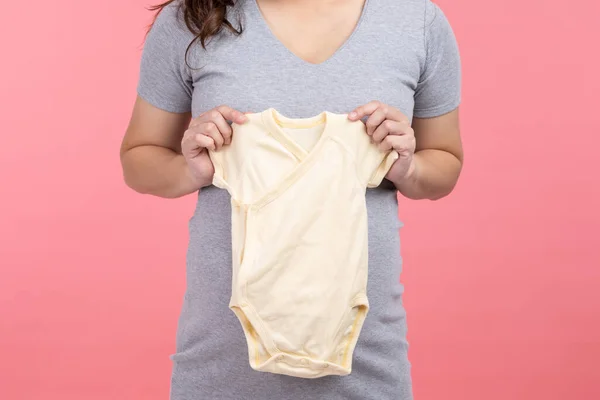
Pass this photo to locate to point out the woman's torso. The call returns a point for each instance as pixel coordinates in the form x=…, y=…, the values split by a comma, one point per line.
x=380, y=61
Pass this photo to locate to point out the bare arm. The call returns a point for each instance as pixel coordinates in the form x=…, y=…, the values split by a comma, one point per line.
x=151, y=153
x=438, y=158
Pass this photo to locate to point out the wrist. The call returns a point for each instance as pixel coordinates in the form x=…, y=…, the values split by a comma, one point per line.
x=188, y=182
x=402, y=176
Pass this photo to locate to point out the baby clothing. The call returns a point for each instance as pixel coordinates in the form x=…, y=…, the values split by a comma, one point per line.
x=299, y=237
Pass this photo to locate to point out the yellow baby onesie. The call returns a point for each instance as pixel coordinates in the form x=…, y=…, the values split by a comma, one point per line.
x=299, y=237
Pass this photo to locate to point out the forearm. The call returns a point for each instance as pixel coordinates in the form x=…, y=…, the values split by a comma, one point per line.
x=434, y=175
x=158, y=171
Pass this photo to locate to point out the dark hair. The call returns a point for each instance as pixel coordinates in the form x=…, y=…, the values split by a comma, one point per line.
x=204, y=18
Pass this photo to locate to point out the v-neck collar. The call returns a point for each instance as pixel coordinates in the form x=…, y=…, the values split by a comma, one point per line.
x=274, y=121
x=257, y=13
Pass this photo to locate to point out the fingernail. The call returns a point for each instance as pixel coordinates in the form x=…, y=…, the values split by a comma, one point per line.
x=352, y=115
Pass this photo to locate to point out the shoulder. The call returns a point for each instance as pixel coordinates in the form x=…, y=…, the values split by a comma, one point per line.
x=171, y=16
x=435, y=18
x=170, y=25
x=409, y=15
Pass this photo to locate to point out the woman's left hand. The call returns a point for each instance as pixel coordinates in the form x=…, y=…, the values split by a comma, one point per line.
x=390, y=129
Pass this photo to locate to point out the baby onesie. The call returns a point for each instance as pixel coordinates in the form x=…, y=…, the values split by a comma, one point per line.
x=299, y=237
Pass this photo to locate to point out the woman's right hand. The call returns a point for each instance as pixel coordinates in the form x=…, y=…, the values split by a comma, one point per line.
x=209, y=131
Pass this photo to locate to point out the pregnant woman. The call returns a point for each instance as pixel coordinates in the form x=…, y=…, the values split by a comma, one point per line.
x=393, y=64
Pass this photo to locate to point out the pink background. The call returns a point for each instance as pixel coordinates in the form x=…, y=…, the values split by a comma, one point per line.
x=502, y=278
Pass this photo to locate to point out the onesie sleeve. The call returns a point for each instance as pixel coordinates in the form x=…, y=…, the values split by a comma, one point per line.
x=439, y=88
x=165, y=80
x=377, y=164
x=372, y=164
x=219, y=162
x=228, y=163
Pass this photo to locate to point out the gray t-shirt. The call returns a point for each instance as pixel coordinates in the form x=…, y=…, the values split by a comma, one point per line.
x=402, y=53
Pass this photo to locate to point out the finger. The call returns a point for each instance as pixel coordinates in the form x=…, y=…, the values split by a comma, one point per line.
x=213, y=117
x=389, y=127
x=211, y=130
x=402, y=144
x=222, y=125
x=396, y=115
x=374, y=121
x=189, y=141
x=205, y=142
x=193, y=143
x=364, y=110
x=232, y=115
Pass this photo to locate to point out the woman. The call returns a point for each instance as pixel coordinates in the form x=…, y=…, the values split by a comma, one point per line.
x=392, y=63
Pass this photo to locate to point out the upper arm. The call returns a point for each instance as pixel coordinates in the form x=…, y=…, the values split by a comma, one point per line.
x=438, y=92
x=152, y=126
x=161, y=113
x=439, y=133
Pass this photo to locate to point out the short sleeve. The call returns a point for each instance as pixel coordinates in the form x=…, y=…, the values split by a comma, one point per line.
x=165, y=80
x=439, y=88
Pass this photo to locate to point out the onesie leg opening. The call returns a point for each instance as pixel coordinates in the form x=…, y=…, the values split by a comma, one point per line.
x=359, y=313
x=256, y=351
x=348, y=332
